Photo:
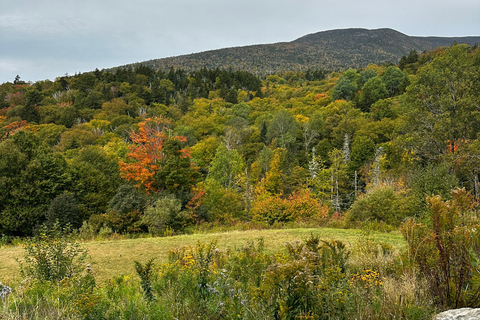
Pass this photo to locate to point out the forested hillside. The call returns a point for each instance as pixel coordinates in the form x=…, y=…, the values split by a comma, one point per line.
x=144, y=150
x=335, y=50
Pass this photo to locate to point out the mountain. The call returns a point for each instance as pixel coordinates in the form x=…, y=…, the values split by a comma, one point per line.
x=329, y=50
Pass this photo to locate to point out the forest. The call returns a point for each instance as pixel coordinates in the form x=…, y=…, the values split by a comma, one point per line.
x=145, y=151
x=138, y=151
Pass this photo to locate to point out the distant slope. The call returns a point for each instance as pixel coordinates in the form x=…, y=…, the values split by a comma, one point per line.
x=330, y=50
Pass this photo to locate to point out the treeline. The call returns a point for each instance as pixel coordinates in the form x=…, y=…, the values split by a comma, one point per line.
x=139, y=150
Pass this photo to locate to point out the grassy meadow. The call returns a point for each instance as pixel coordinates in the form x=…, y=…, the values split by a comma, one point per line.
x=110, y=258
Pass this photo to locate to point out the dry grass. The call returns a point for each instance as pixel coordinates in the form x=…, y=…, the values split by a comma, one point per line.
x=114, y=257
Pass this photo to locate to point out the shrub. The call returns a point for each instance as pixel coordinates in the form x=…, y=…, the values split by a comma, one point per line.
x=382, y=203
x=127, y=199
x=224, y=204
x=300, y=206
x=310, y=283
x=446, y=251
x=125, y=210
x=127, y=222
x=165, y=212
x=87, y=231
x=52, y=255
x=271, y=209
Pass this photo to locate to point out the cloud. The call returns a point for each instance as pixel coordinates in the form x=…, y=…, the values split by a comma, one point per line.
x=58, y=36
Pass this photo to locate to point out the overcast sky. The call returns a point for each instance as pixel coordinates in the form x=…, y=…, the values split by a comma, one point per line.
x=45, y=39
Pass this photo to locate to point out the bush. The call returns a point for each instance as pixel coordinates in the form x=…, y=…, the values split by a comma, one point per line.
x=65, y=210
x=446, y=251
x=165, y=212
x=300, y=206
x=127, y=199
x=52, y=255
x=382, y=204
x=128, y=222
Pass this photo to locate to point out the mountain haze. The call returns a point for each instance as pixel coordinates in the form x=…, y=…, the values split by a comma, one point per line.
x=330, y=50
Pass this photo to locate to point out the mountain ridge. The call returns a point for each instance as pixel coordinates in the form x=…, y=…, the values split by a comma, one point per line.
x=336, y=49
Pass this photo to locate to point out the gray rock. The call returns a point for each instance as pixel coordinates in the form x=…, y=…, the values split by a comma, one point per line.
x=459, y=314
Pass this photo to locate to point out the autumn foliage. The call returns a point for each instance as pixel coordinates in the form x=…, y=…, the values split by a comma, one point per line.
x=14, y=127
x=301, y=205
x=147, y=155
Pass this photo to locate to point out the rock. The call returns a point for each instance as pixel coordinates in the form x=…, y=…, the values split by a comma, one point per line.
x=459, y=314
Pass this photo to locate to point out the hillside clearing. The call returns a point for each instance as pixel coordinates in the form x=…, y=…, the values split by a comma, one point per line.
x=114, y=257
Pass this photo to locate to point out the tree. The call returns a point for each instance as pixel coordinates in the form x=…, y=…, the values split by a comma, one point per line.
x=346, y=86
x=284, y=128
x=444, y=103
x=226, y=166
x=383, y=203
x=31, y=176
x=311, y=131
x=177, y=174
x=97, y=177
x=365, y=76
x=395, y=80
x=373, y=90
x=157, y=159
x=127, y=199
x=64, y=210
x=363, y=149
x=237, y=131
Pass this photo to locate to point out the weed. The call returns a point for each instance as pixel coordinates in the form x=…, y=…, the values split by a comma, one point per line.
x=146, y=272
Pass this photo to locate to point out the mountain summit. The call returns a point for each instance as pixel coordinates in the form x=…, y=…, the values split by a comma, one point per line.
x=330, y=50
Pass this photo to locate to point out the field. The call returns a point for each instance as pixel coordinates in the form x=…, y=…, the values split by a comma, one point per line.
x=111, y=258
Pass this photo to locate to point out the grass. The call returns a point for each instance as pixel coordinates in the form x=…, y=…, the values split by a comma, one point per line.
x=115, y=257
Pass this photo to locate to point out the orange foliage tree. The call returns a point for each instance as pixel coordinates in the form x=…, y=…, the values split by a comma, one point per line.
x=152, y=150
x=13, y=127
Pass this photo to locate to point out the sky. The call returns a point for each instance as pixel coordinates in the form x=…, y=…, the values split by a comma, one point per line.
x=46, y=39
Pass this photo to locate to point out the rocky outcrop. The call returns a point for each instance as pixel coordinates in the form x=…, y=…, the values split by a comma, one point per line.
x=459, y=314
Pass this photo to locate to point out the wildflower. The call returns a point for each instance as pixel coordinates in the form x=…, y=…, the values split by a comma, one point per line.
x=4, y=290
x=211, y=289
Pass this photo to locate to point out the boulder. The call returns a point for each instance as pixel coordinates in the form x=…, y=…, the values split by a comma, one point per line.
x=459, y=314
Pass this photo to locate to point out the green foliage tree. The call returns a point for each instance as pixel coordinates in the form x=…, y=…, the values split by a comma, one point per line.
x=64, y=210
x=363, y=149
x=395, y=80
x=346, y=86
x=366, y=75
x=373, y=90
x=225, y=167
x=31, y=178
x=127, y=199
x=97, y=177
x=436, y=179
x=443, y=102
x=283, y=128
